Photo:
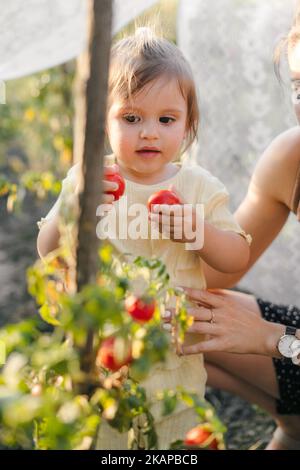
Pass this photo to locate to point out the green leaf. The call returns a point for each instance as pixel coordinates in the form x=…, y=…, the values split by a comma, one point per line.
x=169, y=402
x=46, y=313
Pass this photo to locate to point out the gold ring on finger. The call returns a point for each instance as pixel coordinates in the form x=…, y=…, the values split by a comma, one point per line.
x=212, y=318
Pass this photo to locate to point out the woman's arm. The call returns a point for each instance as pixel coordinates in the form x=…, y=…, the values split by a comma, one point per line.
x=267, y=204
x=230, y=324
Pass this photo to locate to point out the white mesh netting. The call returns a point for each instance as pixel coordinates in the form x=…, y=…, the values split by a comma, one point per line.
x=37, y=34
x=230, y=45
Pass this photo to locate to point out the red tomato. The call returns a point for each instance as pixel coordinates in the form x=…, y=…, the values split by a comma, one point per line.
x=198, y=436
x=163, y=197
x=107, y=355
x=116, y=178
x=141, y=309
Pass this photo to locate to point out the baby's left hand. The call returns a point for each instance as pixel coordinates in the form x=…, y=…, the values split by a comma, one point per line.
x=176, y=222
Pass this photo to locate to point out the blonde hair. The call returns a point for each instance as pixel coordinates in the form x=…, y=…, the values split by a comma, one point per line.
x=138, y=59
x=288, y=42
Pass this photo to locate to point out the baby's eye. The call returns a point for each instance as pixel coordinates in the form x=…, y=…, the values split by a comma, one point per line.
x=166, y=119
x=132, y=118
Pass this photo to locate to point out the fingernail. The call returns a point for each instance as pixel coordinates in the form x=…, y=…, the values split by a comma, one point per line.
x=167, y=326
x=166, y=314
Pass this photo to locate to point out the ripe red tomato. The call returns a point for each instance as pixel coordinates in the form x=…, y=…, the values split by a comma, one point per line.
x=198, y=436
x=141, y=309
x=107, y=355
x=116, y=178
x=163, y=197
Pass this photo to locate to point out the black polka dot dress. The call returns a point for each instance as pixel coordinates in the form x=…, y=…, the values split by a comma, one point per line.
x=287, y=373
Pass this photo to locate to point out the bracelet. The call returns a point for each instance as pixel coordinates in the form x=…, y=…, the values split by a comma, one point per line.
x=246, y=236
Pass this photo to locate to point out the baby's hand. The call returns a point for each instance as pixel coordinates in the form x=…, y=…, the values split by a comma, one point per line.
x=109, y=186
x=177, y=222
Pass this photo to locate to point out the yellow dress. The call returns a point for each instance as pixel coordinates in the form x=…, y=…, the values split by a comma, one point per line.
x=197, y=186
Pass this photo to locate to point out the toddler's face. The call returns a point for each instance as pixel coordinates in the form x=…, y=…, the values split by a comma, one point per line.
x=147, y=133
x=294, y=64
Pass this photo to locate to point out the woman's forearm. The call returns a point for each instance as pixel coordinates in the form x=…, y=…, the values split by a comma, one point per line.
x=231, y=324
x=265, y=209
x=271, y=332
x=48, y=237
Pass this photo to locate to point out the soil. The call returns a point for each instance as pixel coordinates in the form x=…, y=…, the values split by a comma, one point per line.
x=248, y=427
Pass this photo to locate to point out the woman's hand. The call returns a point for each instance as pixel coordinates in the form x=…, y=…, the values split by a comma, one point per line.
x=229, y=325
